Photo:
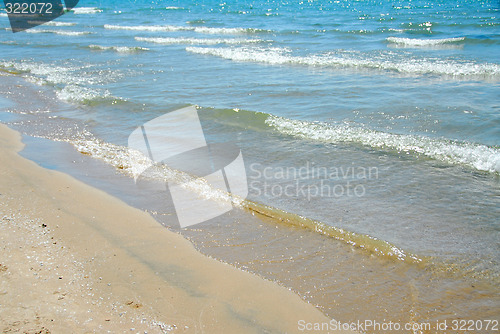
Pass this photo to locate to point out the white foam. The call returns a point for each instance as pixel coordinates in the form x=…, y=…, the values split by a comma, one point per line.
x=144, y=28
x=39, y=69
x=384, y=61
x=57, y=32
x=199, y=41
x=230, y=31
x=56, y=74
x=201, y=30
x=277, y=56
x=86, y=10
x=423, y=42
x=72, y=82
x=53, y=23
x=125, y=159
x=480, y=157
x=79, y=94
x=119, y=49
x=60, y=24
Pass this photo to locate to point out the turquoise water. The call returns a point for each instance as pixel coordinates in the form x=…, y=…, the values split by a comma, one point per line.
x=397, y=100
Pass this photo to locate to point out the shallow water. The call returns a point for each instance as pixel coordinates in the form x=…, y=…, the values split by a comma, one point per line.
x=373, y=126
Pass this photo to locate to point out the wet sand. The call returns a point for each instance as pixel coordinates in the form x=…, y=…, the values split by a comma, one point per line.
x=75, y=259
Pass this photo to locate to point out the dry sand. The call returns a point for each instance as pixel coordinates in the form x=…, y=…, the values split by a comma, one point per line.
x=75, y=260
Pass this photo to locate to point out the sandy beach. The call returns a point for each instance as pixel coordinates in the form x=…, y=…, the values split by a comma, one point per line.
x=74, y=259
x=250, y=167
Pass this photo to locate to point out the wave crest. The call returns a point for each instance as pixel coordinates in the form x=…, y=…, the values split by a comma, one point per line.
x=53, y=23
x=201, y=30
x=86, y=10
x=119, y=49
x=199, y=41
x=58, y=32
x=423, y=42
x=480, y=157
x=384, y=61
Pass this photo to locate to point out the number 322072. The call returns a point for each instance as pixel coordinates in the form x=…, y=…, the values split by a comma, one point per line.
x=29, y=8
x=471, y=325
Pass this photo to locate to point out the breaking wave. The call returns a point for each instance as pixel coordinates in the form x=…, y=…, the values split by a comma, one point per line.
x=119, y=49
x=70, y=84
x=199, y=41
x=383, y=61
x=202, y=30
x=58, y=32
x=480, y=157
x=122, y=158
x=423, y=42
x=86, y=10
x=477, y=156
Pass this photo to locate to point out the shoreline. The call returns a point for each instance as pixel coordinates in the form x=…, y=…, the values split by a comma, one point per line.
x=78, y=259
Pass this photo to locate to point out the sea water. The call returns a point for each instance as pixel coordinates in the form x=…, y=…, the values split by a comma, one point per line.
x=372, y=125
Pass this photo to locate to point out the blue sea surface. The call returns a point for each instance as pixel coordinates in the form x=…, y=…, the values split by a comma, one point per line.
x=409, y=90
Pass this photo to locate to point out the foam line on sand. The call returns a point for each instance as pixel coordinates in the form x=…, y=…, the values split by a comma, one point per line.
x=75, y=259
